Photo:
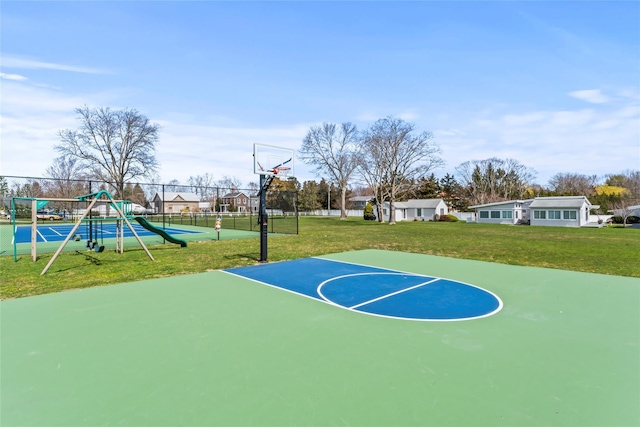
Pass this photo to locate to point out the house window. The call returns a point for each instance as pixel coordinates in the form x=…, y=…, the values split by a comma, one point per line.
x=516, y=214
x=507, y=214
x=554, y=214
x=484, y=214
x=441, y=211
x=495, y=214
x=572, y=215
x=419, y=213
x=540, y=214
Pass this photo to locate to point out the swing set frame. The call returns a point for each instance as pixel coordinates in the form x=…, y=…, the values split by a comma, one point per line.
x=93, y=199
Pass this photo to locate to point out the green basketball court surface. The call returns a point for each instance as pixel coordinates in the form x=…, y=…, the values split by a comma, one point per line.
x=216, y=349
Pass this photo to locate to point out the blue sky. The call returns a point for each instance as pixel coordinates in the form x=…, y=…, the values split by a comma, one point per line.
x=554, y=85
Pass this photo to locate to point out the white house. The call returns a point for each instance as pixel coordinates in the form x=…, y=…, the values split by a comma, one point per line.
x=417, y=209
x=561, y=211
x=507, y=212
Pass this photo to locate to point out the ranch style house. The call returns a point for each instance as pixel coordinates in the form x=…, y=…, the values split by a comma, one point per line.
x=559, y=211
x=417, y=209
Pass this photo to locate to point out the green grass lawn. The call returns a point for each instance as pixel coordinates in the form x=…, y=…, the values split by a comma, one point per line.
x=597, y=250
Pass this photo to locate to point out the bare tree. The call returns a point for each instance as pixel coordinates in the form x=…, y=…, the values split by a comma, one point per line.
x=32, y=188
x=203, y=186
x=253, y=187
x=374, y=171
x=624, y=210
x=230, y=182
x=393, y=154
x=4, y=187
x=493, y=180
x=115, y=145
x=333, y=150
x=68, y=176
x=174, y=186
x=573, y=184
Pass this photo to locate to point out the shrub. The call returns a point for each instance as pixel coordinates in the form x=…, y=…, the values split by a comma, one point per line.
x=368, y=213
x=448, y=218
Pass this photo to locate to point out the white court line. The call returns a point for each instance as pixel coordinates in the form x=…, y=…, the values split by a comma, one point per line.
x=59, y=234
x=40, y=234
x=325, y=300
x=394, y=293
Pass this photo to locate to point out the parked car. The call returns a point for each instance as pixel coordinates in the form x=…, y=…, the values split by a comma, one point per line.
x=48, y=215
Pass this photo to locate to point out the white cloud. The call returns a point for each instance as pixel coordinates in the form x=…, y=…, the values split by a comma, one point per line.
x=604, y=138
x=600, y=140
x=186, y=150
x=31, y=117
x=408, y=115
x=593, y=96
x=16, y=77
x=9, y=61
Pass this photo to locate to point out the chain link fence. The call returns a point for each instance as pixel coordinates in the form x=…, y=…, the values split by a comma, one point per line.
x=165, y=204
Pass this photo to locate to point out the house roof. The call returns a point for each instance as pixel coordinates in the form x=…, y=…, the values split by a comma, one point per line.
x=418, y=203
x=561, y=202
x=504, y=202
x=360, y=198
x=424, y=203
x=175, y=197
x=233, y=195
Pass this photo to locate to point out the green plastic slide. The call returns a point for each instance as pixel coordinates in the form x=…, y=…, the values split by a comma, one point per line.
x=146, y=224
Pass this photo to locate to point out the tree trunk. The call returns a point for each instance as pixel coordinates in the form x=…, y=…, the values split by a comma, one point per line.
x=392, y=211
x=343, y=197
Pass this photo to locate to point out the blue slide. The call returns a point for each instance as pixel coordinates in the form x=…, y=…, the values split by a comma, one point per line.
x=146, y=224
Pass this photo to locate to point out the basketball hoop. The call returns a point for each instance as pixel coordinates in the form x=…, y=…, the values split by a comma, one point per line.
x=270, y=161
x=276, y=170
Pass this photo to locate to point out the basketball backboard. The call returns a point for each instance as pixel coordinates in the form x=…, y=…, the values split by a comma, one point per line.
x=270, y=160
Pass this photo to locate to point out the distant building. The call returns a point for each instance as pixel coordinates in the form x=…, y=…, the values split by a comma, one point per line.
x=560, y=211
x=506, y=212
x=236, y=201
x=359, y=202
x=417, y=209
x=568, y=211
x=176, y=202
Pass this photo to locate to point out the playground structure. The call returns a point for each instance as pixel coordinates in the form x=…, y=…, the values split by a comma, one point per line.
x=93, y=201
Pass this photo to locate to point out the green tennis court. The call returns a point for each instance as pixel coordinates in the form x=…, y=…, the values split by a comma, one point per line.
x=220, y=349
